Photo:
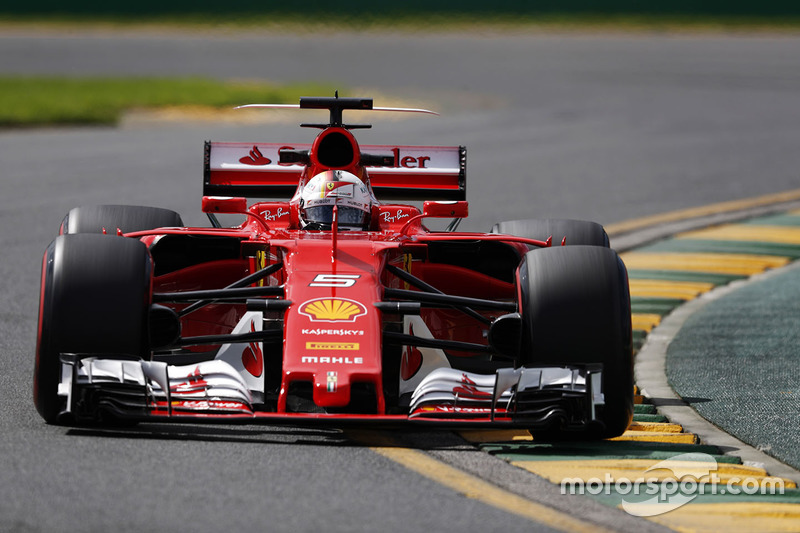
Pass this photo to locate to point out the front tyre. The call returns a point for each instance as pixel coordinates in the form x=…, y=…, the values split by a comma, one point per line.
x=572, y=231
x=127, y=218
x=95, y=299
x=575, y=307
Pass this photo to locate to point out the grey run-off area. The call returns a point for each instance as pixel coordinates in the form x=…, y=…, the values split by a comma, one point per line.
x=736, y=361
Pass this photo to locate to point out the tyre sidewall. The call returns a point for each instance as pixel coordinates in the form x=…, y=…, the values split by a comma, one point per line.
x=95, y=299
x=576, y=310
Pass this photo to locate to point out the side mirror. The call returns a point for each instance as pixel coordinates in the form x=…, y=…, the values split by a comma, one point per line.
x=224, y=204
x=438, y=210
x=230, y=205
x=445, y=209
x=287, y=156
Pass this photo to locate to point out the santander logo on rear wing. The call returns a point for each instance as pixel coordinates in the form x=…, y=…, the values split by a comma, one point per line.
x=254, y=170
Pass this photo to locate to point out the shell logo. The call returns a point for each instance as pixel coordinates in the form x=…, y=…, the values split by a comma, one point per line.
x=332, y=310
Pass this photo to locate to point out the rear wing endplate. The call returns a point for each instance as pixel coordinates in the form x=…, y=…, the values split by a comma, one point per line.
x=254, y=171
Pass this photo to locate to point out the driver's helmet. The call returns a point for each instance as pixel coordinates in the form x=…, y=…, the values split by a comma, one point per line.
x=335, y=187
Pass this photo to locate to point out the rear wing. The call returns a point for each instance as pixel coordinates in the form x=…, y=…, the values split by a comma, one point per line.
x=254, y=171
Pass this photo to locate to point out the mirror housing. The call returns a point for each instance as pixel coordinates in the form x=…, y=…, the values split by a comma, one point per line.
x=432, y=209
x=224, y=204
x=287, y=156
x=458, y=209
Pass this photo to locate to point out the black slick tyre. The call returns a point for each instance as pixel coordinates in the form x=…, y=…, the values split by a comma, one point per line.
x=575, y=232
x=575, y=307
x=127, y=218
x=95, y=299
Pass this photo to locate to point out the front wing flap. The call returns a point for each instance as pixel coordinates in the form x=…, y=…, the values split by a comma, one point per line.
x=531, y=397
x=142, y=389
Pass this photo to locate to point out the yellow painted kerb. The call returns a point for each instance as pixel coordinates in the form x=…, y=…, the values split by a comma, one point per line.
x=746, y=233
x=739, y=264
x=733, y=517
x=634, y=434
x=645, y=321
x=612, y=469
x=684, y=290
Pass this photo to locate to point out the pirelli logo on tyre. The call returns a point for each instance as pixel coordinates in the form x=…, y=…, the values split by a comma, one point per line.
x=332, y=310
x=333, y=346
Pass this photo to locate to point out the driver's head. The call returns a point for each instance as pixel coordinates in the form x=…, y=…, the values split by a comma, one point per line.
x=335, y=187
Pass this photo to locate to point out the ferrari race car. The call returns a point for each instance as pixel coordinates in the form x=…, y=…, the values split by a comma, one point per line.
x=338, y=306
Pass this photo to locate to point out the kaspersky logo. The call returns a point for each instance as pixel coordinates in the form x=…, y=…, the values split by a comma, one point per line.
x=332, y=310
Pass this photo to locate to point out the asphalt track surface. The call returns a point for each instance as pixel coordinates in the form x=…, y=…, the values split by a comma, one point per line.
x=602, y=127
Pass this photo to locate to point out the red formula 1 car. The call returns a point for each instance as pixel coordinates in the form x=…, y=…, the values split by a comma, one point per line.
x=335, y=307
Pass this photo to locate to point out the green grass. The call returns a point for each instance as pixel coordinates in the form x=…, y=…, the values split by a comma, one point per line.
x=40, y=101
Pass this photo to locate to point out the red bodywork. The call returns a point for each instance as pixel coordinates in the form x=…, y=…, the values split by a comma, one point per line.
x=333, y=332
x=332, y=345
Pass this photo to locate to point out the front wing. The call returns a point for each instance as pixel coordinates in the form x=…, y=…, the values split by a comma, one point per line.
x=94, y=387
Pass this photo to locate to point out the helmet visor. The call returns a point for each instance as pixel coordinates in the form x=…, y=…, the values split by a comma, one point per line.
x=348, y=216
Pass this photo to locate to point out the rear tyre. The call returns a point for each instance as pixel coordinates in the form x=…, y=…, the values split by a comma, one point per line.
x=95, y=298
x=578, y=232
x=128, y=218
x=576, y=309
